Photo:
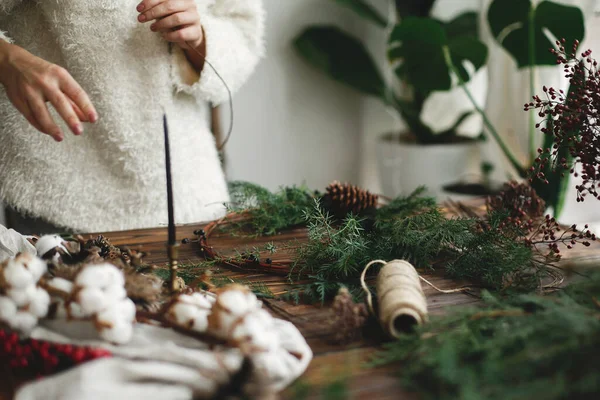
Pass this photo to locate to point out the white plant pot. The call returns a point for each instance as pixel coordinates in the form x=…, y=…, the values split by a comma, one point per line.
x=403, y=167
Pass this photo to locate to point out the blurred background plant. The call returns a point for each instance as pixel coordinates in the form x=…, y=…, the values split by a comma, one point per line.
x=416, y=50
x=428, y=55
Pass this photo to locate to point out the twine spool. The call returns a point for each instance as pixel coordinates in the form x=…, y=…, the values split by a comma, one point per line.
x=402, y=303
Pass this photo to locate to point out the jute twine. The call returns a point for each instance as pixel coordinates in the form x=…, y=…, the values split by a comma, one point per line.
x=402, y=303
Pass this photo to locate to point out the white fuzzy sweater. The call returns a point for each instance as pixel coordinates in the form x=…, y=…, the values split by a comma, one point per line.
x=113, y=176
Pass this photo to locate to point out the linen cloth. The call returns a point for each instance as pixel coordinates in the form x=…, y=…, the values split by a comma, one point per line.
x=159, y=364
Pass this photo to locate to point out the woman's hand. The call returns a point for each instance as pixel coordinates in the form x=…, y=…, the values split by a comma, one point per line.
x=178, y=22
x=30, y=82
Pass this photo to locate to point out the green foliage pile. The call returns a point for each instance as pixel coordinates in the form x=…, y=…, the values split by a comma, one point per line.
x=522, y=347
x=485, y=252
x=269, y=212
x=413, y=229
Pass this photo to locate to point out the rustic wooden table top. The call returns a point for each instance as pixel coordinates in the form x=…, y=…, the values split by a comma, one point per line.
x=332, y=363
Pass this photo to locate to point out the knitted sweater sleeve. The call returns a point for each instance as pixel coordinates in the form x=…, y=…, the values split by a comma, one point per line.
x=5, y=7
x=234, y=44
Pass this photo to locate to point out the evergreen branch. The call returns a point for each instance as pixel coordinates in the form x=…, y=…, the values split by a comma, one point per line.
x=268, y=212
x=518, y=348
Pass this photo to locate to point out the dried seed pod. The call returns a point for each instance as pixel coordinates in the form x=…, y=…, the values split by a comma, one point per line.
x=348, y=317
x=402, y=303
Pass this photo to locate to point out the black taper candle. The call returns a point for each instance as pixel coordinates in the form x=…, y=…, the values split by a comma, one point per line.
x=172, y=238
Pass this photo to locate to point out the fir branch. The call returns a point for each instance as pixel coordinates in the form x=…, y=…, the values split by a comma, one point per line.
x=401, y=207
x=518, y=348
x=268, y=213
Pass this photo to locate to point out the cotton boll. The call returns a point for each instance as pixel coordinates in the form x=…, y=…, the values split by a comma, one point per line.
x=201, y=300
x=123, y=311
x=119, y=333
x=100, y=276
x=22, y=297
x=38, y=305
x=47, y=243
x=92, y=300
x=61, y=284
x=23, y=321
x=109, y=316
x=257, y=329
x=36, y=266
x=17, y=275
x=200, y=321
x=8, y=308
x=238, y=302
x=183, y=313
x=114, y=293
x=115, y=275
x=126, y=310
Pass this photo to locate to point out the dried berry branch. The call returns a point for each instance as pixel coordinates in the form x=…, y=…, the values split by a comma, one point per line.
x=572, y=121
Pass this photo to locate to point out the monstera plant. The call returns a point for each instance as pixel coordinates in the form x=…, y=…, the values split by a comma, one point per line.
x=416, y=53
x=428, y=55
x=418, y=50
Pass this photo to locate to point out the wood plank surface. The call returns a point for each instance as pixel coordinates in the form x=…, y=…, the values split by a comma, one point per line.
x=332, y=362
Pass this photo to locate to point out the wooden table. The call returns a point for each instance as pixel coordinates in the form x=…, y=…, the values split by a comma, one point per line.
x=332, y=363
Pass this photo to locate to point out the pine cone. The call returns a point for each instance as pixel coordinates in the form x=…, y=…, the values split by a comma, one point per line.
x=343, y=199
x=348, y=317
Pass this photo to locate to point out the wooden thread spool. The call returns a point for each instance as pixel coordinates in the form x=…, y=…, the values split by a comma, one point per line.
x=402, y=303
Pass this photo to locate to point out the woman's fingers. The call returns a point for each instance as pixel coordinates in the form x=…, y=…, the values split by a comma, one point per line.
x=82, y=117
x=63, y=106
x=174, y=21
x=74, y=92
x=44, y=119
x=21, y=105
x=154, y=9
x=188, y=33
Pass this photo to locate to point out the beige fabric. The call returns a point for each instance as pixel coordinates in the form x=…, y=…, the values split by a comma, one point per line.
x=159, y=363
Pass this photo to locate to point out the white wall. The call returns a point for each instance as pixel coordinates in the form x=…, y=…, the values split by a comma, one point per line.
x=293, y=124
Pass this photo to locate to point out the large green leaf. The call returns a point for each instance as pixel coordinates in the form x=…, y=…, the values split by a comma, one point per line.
x=342, y=57
x=467, y=48
x=419, y=43
x=413, y=8
x=423, y=65
x=510, y=23
x=463, y=25
x=365, y=10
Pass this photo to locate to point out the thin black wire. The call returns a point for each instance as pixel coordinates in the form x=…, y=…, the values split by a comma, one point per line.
x=222, y=145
